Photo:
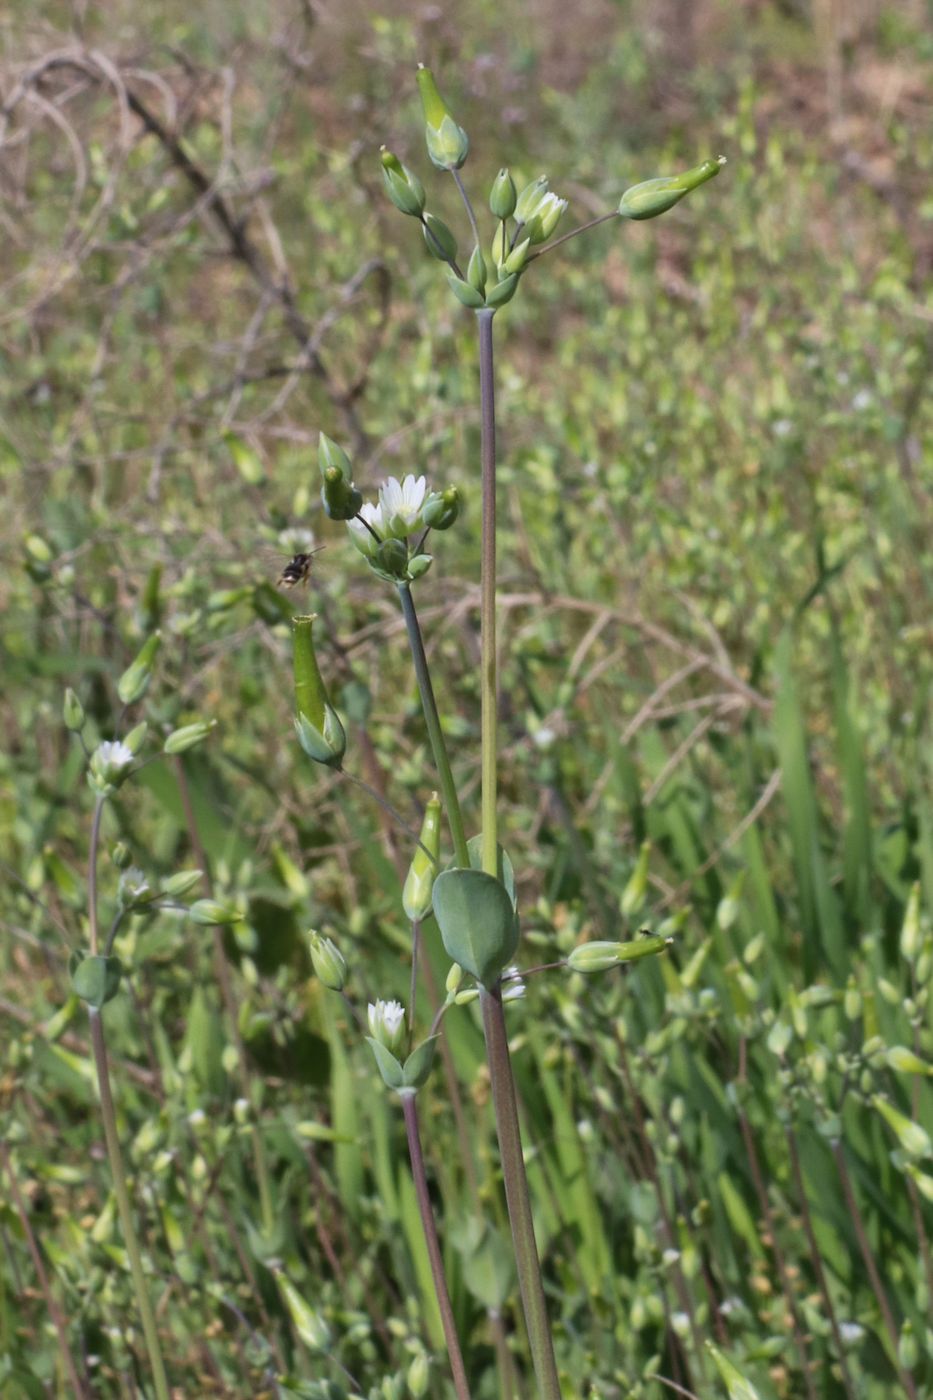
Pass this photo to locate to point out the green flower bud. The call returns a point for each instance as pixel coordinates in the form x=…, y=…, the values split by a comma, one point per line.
x=531, y=196
x=403, y=187
x=633, y=896
x=180, y=740
x=311, y=1327
x=441, y=242
x=73, y=712
x=476, y=270
x=416, y=894
x=908, y=1353
x=454, y=979
x=320, y=732
x=914, y=1139
x=653, y=197
x=728, y=908
x=906, y=1062
x=418, y=1376
x=502, y=292
x=181, y=883
x=499, y=247
x=502, y=196
x=391, y=559
x=441, y=508
x=121, y=855
x=516, y=260
x=340, y=498
x=448, y=144
x=910, y=929
x=464, y=292
x=418, y=566
x=214, y=911
x=332, y=455
x=598, y=956
x=328, y=962
x=134, y=682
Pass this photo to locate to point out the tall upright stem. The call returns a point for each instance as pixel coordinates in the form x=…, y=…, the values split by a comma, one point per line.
x=108, y=1115
x=487, y=391
x=433, y=722
x=458, y=1370
x=517, y=1195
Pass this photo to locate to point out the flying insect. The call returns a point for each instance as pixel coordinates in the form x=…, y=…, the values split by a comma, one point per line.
x=298, y=569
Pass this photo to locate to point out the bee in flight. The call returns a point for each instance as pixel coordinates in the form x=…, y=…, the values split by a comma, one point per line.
x=298, y=569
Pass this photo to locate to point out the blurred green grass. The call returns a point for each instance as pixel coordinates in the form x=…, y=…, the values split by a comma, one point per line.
x=716, y=636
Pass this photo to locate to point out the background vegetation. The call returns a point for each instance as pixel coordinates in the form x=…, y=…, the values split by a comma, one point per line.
x=716, y=633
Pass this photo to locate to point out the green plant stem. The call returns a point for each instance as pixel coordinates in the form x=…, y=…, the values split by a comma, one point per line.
x=517, y=1195
x=435, y=733
x=92, y=874
x=108, y=1115
x=458, y=1370
x=468, y=206
x=487, y=389
x=582, y=228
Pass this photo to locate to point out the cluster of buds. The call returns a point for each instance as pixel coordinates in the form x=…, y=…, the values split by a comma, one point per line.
x=382, y=530
x=525, y=220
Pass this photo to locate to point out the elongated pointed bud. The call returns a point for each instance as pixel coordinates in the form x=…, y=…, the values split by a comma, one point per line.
x=545, y=218
x=599, y=956
x=530, y=198
x=448, y=144
x=502, y=196
x=476, y=270
x=73, y=712
x=320, y=732
x=340, y=497
x=441, y=508
x=416, y=894
x=134, y=682
x=633, y=896
x=910, y=929
x=180, y=740
x=914, y=1139
x=440, y=240
x=516, y=260
x=328, y=962
x=402, y=186
x=653, y=197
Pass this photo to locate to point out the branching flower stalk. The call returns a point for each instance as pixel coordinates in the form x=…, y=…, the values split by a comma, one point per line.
x=473, y=900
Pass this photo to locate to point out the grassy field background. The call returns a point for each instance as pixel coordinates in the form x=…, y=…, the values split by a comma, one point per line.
x=716, y=582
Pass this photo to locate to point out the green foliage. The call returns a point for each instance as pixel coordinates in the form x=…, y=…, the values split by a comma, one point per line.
x=714, y=639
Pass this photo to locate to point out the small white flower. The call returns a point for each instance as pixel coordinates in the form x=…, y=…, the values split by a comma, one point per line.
x=362, y=537
x=401, y=504
x=513, y=988
x=386, y=1021
x=851, y=1331
x=114, y=754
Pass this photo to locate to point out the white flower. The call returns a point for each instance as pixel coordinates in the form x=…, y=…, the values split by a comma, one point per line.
x=513, y=988
x=362, y=537
x=851, y=1332
x=386, y=1021
x=401, y=505
x=114, y=754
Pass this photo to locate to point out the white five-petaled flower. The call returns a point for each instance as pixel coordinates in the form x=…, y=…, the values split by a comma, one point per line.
x=386, y=1021
x=401, y=504
x=112, y=756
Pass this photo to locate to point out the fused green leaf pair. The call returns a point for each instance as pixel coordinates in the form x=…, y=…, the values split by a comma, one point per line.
x=95, y=979
x=407, y=1077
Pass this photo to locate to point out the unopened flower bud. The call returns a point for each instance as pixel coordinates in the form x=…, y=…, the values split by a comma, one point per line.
x=517, y=258
x=136, y=737
x=121, y=855
x=180, y=740
x=653, y=197
x=476, y=270
x=530, y=198
x=418, y=1376
x=340, y=497
x=441, y=508
x=914, y=1139
x=391, y=559
x=416, y=894
x=910, y=929
x=598, y=956
x=545, y=219
x=328, y=962
x=402, y=186
x=181, y=883
x=448, y=144
x=214, y=911
x=440, y=240
x=320, y=732
x=502, y=196
x=73, y=712
x=134, y=682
